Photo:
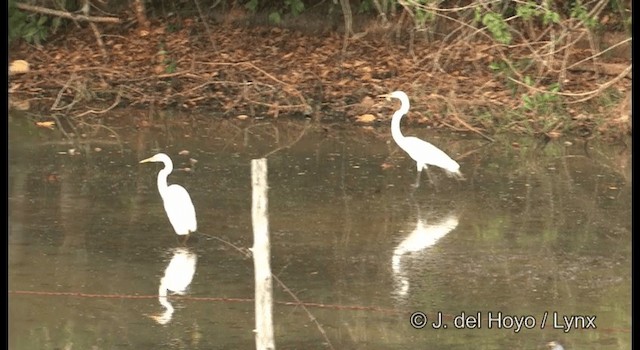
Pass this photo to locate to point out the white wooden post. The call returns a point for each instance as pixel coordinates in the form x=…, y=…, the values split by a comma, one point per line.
x=262, y=256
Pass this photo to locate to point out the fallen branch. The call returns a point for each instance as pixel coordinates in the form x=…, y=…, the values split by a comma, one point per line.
x=96, y=32
x=91, y=111
x=65, y=14
x=588, y=94
x=455, y=114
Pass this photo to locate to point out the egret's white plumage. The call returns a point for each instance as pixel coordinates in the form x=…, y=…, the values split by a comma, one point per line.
x=177, y=202
x=419, y=150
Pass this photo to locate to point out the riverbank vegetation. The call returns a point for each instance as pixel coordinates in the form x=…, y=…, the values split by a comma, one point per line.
x=545, y=68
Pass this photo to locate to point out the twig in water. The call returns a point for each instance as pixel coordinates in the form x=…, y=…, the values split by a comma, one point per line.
x=247, y=253
x=59, y=96
x=302, y=133
x=301, y=304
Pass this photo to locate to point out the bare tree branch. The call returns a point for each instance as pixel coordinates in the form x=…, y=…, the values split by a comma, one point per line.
x=65, y=14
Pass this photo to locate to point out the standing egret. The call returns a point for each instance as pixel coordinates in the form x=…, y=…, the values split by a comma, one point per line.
x=177, y=202
x=421, y=151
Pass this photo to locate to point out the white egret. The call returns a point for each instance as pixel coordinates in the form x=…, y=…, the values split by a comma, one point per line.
x=553, y=345
x=421, y=151
x=177, y=202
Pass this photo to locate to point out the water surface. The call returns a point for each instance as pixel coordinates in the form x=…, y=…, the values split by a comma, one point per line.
x=535, y=229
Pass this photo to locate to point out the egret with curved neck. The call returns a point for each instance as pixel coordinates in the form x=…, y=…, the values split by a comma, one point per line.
x=419, y=150
x=176, y=200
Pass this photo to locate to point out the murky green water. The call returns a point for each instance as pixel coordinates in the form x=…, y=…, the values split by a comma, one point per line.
x=534, y=230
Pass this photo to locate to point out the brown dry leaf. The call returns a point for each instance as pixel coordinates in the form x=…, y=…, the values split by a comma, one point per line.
x=103, y=84
x=386, y=166
x=366, y=118
x=367, y=102
x=423, y=120
x=20, y=105
x=48, y=125
x=13, y=87
x=52, y=178
x=18, y=67
x=554, y=134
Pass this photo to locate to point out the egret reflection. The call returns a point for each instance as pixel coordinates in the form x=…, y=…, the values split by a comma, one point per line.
x=177, y=278
x=424, y=235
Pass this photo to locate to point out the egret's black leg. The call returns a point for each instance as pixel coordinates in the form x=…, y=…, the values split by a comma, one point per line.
x=433, y=183
x=429, y=175
x=417, y=184
x=182, y=239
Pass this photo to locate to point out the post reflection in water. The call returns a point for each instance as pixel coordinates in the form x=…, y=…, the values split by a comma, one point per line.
x=425, y=234
x=177, y=278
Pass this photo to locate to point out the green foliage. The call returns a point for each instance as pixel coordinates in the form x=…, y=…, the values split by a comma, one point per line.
x=30, y=28
x=531, y=10
x=17, y=21
x=295, y=7
x=527, y=11
x=252, y=6
x=365, y=6
x=274, y=17
x=172, y=65
x=497, y=66
x=174, y=27
x=619, y=7
x=501, y=68
x=543, y=103
x=550, y=17
x=498, y=27
x=579, y=11
x=423, y=17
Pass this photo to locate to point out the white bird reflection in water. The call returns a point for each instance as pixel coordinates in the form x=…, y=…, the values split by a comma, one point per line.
x=177, y=278
x=423, y=236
